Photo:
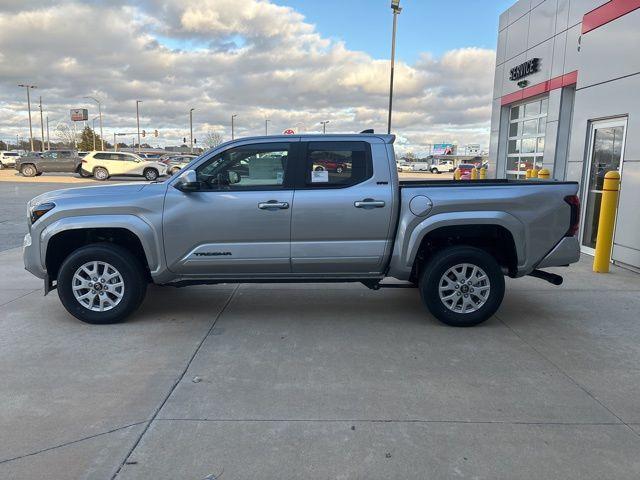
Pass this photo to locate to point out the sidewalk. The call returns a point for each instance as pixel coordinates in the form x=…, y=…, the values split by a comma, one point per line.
x=323, y=381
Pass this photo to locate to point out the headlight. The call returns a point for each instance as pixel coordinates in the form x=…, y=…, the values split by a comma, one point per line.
x=39, y=210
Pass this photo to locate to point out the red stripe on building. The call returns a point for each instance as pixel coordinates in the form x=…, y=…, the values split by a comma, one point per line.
x=608, y=12
x=540, y=88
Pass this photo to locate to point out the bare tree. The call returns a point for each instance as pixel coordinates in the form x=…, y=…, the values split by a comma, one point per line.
x=212, y=140
x=66, y=134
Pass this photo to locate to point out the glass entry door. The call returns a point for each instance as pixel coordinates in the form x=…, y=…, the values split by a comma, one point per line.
x=606, y=147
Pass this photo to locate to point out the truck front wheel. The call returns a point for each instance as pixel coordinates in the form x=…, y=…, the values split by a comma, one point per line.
x=101, y=283
x=462, y=286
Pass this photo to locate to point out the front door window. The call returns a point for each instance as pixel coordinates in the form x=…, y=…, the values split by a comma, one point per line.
x=605, y=155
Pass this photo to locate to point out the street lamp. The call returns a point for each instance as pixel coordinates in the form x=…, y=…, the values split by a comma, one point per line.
x=233, y=126
x=29, y=87
x=100, y=115
x=93, y=132
x=41, y=126
x=191, y=127
x=324, y=126
x=266, y=126
x=138, y=102
x=395, y=6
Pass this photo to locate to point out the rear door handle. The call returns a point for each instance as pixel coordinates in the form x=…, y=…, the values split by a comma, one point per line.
x=273, y=205
x=369, y=203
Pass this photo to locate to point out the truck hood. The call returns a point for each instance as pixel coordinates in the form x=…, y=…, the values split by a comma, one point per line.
x=92, y=191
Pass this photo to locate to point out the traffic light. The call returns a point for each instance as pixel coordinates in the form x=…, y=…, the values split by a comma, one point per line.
x=184, y=139
x=195, y=140
x=155, y=133
x=144, y=133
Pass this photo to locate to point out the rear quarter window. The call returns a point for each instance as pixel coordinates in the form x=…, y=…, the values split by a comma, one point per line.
x=337, y=164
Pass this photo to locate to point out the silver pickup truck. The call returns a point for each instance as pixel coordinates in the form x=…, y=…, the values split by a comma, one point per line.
x=303, y=208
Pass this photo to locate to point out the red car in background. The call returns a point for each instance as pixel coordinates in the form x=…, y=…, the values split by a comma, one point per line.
x=465, y=170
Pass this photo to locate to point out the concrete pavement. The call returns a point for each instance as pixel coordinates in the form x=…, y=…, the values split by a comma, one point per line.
x=323, y=381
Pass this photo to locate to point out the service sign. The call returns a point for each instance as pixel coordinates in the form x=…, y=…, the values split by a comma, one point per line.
x=524, y=69
x=79, y=114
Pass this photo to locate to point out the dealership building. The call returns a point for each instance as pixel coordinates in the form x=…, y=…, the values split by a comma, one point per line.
x=567, y=98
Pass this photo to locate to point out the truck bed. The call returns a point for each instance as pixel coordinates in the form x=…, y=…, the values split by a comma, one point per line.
x=479, y=183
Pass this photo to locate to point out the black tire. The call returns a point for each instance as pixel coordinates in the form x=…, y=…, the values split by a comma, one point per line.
x=339, y=170
x=151, y=174
x=28, y=170
x=434, y=272
x=1, y=166
x=319, y=169
x=84, y=173
x=131, y=270
x=434, y=170
x=101, y=173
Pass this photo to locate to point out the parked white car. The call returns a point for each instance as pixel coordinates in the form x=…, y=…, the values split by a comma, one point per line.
x=8, y=159
x=103, y=165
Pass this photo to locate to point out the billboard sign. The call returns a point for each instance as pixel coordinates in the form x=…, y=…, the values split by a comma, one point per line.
x=289, y=131
x=443, y=149
x=79, y=114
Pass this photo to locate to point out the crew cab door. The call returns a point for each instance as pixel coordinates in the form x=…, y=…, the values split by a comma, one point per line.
x=239, y=221
x=342, y=209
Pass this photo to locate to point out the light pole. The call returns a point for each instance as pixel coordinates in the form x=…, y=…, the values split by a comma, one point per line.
x=48, y=142
x=395, y=6
x=41, y=126
x=266, y=126
x=93, y=131
x=29, y=87
x=233, y=135
x=138, y=102
x=324, y=126
x=100, y=114
x=191, y=128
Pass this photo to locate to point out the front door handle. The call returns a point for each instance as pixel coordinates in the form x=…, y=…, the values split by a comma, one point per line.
x=369, y=203
x=273, y=205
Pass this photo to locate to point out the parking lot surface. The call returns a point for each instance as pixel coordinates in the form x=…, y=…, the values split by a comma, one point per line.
x=323, y=381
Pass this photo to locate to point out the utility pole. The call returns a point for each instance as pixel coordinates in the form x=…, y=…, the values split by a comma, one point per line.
x=266, y=126
x=41, y=125
x=324, y=126
x=395, y=6
x=100, y=114
x=93, y=131
x=233, y=136
x=191, y=130
x=28, y=87
x=138, y=102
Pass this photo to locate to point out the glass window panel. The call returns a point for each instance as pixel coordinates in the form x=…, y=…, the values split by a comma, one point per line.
x=515, y=129
x=516, y=112
x=538, y=162
x=532, y=109
x=512, y=163
x=540, y=148
x=544, y=106
x=526, y=163
x=528, y=145
x=514, y=146
x=542, y=125
x=530, y=127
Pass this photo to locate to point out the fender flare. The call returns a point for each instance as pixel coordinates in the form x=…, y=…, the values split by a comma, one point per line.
x=149, y=238
x=451, y=219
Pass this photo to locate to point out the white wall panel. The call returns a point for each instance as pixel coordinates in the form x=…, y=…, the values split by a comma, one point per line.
x=571, y=56
x=542, y=22
x=517, y=34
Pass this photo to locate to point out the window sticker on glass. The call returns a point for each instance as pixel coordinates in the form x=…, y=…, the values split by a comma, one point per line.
x=319, y=176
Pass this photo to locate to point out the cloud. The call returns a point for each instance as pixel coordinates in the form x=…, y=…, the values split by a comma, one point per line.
x=253, y=58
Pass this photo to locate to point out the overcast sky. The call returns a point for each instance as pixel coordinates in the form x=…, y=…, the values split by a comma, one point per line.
x=287, y=61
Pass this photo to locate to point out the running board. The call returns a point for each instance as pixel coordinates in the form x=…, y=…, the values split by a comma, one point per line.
x=376, y=285
x=549, y=277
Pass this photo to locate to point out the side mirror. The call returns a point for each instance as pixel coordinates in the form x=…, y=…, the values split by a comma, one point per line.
x=188, y=182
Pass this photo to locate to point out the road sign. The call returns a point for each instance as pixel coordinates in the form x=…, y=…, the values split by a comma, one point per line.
x=289, y=131
x=79, y=114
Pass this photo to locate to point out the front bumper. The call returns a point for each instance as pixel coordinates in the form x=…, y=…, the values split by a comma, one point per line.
x=31, y=257
x=564, y=253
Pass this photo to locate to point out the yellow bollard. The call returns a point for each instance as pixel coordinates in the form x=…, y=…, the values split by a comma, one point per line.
x=483, y=173
x=456, y=174
x=474, y=174
x=606, y=222
x=544, y=174
x=534, y=173
x=527, y=175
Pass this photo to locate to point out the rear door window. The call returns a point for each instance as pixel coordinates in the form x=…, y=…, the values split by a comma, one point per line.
x=337, y=164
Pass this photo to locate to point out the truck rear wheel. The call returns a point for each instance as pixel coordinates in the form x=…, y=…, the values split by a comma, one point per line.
x=28, y=170
x=462, y=286
x=101, y=283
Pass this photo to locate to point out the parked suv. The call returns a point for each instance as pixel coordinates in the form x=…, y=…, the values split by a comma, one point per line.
x=8, y=159
x=51, y=161
x=103, y=165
